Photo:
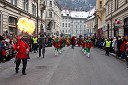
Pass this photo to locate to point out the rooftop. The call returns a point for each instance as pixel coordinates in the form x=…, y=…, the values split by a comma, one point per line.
x=78, y=14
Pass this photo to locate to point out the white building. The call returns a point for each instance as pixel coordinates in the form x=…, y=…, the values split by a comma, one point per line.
x=66, y=23
x=52, y=17
x=77, y=26
x=73, y=22
x=12, y=10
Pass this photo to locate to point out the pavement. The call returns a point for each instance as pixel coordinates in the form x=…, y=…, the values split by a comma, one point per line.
x=71, y=67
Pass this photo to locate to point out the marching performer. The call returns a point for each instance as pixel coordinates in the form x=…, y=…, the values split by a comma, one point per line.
x=84, y=46
x=88, y=46
x=62, y=43
x=56, y=44
x=67, y=41
x=73, y=42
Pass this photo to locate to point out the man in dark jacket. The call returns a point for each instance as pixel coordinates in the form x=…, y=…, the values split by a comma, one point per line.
x=41, y=43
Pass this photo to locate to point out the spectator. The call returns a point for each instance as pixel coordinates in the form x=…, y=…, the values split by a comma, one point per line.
x=114, y=44
x=119, y=42
x=122, y=49
x=108, y=46
x=0, y=50
x=126, y=51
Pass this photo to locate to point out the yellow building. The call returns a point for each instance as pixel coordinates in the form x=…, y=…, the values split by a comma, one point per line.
x=100, y=14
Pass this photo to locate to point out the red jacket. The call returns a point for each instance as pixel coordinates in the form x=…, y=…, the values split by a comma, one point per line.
x=122, y=47
x=56, y=44
x=3, y=52
x=22, y=50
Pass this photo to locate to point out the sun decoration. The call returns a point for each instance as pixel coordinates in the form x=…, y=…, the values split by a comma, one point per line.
x=26, y=25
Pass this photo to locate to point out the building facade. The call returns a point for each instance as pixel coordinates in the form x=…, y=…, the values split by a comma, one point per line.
x=117, y=17
x=90, y=26
x=100, y=15
x=52, y=17
x=77, y=26
x=66, y=23
x=73, y=22
x=12, y=10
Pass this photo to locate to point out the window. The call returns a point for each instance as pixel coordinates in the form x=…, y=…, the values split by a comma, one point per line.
x=25, y=5
x=69, y=25
x=108, y=8
x=76, y=31
x=100, y=4
x=66, y=31
x=14, y=2
x=126, y=1
x=12, y=24
x=50, y=14
x=12, y=20
x=80, y=26
x=116, y=6
x=66, y=19
x=63, y=31
x=63, y=24
x=66, y=25
x=33, y=9
x=50, y=4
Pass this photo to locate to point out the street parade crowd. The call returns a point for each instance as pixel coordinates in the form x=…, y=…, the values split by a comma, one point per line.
x=19, y=47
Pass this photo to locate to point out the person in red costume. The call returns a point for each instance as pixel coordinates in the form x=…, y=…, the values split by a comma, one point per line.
x=22, y=49
x=73, y=42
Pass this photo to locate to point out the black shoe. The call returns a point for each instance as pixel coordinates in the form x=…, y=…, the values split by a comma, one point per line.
x=16, y=70
x=24, y=73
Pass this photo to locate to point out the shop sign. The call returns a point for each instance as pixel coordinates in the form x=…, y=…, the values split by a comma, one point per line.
x=117, y=23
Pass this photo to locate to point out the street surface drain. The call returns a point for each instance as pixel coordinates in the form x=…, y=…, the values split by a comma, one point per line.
x=41, y=67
